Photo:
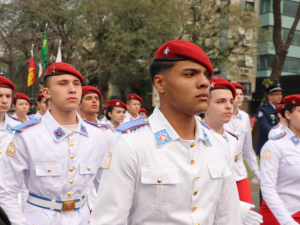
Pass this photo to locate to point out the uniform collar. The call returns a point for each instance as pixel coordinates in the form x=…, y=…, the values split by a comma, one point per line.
x=127, y=115
x=274, y=106
x=292, y=136
x=37, y=114
x=7, y=126
x=164, y=133
x=223, y=135
x=58, y=132
x=239, y=115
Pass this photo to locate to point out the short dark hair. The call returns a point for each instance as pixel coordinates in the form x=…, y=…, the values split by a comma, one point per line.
x=109, y=109
x=41, y=82
x=158, y=66
x=40, y=99
x=288, y=107
x=46, y=81
x=14, y=101
x=47, y=102
x=276, y=114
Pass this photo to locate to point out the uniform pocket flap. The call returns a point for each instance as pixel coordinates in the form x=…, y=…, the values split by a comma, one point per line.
x=293, y=160
x=159, y=175
x=88, y=168
x=244, y=129
x=219, y=170
x=48, y=169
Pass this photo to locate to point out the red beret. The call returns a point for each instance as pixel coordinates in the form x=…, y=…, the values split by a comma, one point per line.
x=134, y=96
x=90, y=89
x=279, y=107
x=221, y=83
x=105, y=106
x=40, y=95
x=6, y=83
x=61, y=68
x=292, y=99
x=237, y=85
x=178, y=50
x=143, y=110
x=21, y=96
x=116, y=102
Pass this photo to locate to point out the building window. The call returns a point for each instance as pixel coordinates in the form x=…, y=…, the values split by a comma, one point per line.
x=247, y=88
x=265, y=62
x=266, y=6
x=285, y=33
x=290, y=8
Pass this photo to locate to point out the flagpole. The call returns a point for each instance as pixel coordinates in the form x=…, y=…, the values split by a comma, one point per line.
x=34, y=74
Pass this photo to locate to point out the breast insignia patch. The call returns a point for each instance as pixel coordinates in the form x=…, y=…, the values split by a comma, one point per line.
x=11, y=149
x=107, y=165
x=266, y=154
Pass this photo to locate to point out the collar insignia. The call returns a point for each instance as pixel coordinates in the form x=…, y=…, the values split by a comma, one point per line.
x=59, y=133
x=295, y=140
x=162, y=137
x=83, y=129
x=9, y=128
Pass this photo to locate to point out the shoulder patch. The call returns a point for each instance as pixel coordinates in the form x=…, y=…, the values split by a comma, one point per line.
x=108, y=162
x=10, y=116
x=281, y=135
x=21, y=127
x=266, y=154
x=232, y=134
x=206, y=125
x=132, y=125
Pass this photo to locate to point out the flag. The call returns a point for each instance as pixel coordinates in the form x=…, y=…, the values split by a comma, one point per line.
x=31, y=72
x=58, y=58
x=43, y=55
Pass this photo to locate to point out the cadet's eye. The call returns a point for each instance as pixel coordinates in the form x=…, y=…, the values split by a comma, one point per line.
x=189, y=74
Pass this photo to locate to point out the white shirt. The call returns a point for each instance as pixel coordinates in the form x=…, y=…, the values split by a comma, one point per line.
x=240, y=126
x=276, y=130
x=45, y=145
x=280, y=175
x=129, y=117
x=15, y=115
x=155, y=177
x=37, y=114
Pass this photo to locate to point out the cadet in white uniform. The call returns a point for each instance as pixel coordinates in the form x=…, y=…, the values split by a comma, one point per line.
x=170, y=170
x=58, y=156
x=280, y=170
x=282, y=121
x=41, y=103
x=21, y=104
x=239, y=125
x=219, y=112
x=133, y=102
x=115, y=112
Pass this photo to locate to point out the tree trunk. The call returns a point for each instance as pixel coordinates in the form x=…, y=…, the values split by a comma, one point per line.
x=11, y=63
x=278, y=65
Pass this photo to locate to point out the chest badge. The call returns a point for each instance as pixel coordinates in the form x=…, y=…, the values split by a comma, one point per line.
x=162, y=137
x=11, y=149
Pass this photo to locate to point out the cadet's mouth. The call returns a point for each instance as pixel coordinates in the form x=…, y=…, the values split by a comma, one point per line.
x=202, y=96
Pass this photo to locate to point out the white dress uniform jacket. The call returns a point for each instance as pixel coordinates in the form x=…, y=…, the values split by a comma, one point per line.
x=129, y=117
x=37, y=114
x=55, y=163
x=240, y=126
x=280, y=175
x=15, y=116
x=276, y=130
x=155, y=177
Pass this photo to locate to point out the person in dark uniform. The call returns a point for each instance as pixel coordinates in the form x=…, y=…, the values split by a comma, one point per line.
x=265, y=114
x=3, y=218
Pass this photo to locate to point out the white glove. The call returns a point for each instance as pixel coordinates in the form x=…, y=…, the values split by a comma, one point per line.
x=256, y=178
x=292, y=223
x=253, y=218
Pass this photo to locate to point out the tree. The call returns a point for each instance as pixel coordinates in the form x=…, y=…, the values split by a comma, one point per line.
x=281, y=49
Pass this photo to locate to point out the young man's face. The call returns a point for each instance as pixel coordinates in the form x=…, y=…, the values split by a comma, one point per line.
x=185, y=87
x=275, y=97
x=220, y=106
x=143, y=114
x=21, y=107
x=64, y=92
x=238, y=101
x=42, y=105
x=117, y=115
x=90, y=103
x=294, y=118
x=5, y=99
x=134, y=106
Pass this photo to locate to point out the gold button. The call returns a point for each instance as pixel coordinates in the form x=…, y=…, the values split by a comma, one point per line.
x=234, y=123
x=71, y=134
x=193, y=145
x=194, y=208
x=159, y=180
x=88, y=221
x=0, y=152
x=89, y=168
x=49, y=170
x=71, y=169
x=71, y=181
x=197, y=223
x=197, y=177
x=72, y=156
x=192, y=162
x=296, y=161
x=0, y=141
x=234, y=129
x=71, y=143
x=69, y=193
x=222, y=174
x=196, y=192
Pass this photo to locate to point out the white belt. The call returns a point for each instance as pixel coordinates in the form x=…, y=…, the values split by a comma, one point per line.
x=238, y=156
x=56, y=205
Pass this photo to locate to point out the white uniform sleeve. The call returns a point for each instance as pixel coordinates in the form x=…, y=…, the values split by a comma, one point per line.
x=116, y=191
x=248, y=151
x=13, y=172
x=228, y=209
x=269, y=166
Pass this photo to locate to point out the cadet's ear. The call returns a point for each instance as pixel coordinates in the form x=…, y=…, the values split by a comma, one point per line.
x=46, y=93
x=287, y=115
x=159, y=82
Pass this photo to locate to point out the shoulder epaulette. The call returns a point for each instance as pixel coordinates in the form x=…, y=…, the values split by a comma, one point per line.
x=28, y=123
x=206, y=125
x=15, y=118
x=275, y=127
x=132, y=125
x=232, y=134
x=281, y=135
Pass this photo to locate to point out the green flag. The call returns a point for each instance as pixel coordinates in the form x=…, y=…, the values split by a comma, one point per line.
x=44, y=51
